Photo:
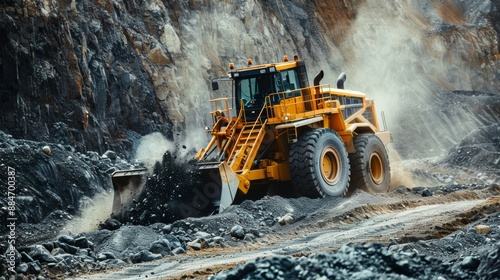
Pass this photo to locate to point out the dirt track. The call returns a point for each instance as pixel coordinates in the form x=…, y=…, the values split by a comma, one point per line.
x=394, y=218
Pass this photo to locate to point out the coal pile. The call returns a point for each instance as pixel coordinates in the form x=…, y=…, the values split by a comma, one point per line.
x=114, y=245
x=93, y=251
x=476, y=248
x=479, y=150
x=174, y=191
x=64, y=256
x=432, y=128
x=365, y=261
x=52, y=177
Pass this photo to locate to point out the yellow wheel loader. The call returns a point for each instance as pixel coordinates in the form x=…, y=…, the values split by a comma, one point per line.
x=323, y=140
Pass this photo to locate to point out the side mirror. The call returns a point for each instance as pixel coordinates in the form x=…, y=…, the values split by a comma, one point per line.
x=215, y=85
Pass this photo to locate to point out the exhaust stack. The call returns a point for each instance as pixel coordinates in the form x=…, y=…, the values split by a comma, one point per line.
x=341, y=80
x=318, y=78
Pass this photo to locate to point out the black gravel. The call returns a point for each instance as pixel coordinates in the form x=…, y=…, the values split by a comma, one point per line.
x=176, y=190
x=60, y=180
x=367, y=261
x=479, y=150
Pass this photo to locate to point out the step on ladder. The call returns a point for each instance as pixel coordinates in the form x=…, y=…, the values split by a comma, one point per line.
x=246, y=146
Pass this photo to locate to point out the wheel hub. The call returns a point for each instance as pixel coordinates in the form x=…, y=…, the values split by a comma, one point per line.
x=331, y=165
x=376, y=168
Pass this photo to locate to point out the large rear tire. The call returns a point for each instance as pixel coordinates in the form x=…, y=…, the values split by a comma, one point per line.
x=370, y=165
x=319, y=164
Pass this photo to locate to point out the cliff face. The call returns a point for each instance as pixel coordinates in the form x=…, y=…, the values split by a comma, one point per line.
x=97, y=74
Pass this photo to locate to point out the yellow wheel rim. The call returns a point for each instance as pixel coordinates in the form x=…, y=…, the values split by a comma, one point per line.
x=331, y=165
x=376, y=168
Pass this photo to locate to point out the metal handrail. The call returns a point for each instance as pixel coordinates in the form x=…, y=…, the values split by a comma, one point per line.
x=324, y=95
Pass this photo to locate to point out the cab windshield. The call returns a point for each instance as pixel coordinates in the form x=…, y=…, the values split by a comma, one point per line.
x=253, y=89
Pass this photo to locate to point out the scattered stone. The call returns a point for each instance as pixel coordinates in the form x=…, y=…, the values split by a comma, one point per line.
x=49, y=246
x=204, y=244
x=286, y=219
x=249, y=237
x=173, y=241
x=109, y=154
x=25, y=257
x=105, y=256
x=483, y=229
x=161, y=247
x=218, y=239
x=114, y=263
x=195, y=245
x=144, y=256
x=66, y=239
x=178, y=250
x=83, y=242
x=470, y=262
x=167, y=229
x=22, y=268
x=426, y=192
x=401, y=189
x=34, y=268
x=111, y=224
x=47, y=150
x=203, y=235
x=66, y=247
x=111, y=170
x=237, y=231
x=93, y=157
x=39, y=253
x=57, y=251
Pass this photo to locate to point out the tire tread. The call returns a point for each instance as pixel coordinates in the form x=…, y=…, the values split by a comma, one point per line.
x=302, y=168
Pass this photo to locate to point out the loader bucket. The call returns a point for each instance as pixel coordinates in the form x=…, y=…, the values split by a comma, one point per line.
x=127, y=184
x=229, y=186
x=222, y=181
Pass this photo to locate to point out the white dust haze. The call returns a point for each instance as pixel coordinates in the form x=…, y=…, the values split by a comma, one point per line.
x=151, y=149
x=392, y=59
x=397, y=59
x=94, y=212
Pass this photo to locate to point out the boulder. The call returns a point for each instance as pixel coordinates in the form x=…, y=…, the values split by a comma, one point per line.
x=237, y=231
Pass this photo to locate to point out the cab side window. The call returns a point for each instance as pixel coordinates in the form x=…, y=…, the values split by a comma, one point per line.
x=290, y=82
x=246, y=88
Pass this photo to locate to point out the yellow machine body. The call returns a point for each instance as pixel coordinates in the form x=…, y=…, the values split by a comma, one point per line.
x=253, y=146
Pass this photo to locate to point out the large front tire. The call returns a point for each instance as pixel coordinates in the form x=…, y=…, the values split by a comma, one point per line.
x=319, y=164
x=370, y=165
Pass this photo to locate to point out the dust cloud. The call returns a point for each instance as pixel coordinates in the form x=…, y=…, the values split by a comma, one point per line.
x=151, y=149
x=209, y=39
x=386, y=63
x=400, y=174
x=96, y=211
x=400, y=60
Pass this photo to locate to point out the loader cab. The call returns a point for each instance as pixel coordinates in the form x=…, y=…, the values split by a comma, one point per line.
x=253, y=85
x=251, y=92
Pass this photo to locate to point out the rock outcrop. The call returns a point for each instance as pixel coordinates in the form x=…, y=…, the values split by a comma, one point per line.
x=98, y=74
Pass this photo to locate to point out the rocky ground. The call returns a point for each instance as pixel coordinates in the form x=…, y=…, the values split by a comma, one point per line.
x=441, y=219
x=63, y=201
x=273, y=237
